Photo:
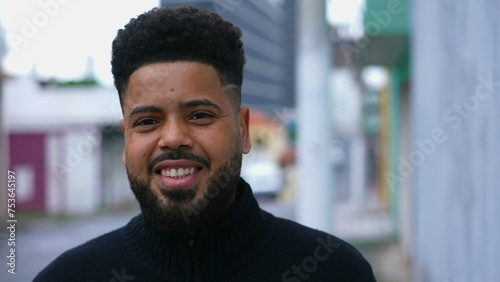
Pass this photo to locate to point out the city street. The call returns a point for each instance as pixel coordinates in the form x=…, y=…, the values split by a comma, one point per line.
x=40, y=242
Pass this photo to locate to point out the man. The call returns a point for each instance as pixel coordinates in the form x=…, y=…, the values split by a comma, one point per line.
x=178, y=72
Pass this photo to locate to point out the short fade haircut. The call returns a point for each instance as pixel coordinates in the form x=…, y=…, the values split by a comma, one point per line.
x=180, y=33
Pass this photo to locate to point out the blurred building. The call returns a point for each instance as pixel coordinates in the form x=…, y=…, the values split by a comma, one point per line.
x=386, y=43
x=439, y=132
x=455, y=137
x=65, y=146
x=268, y=28
x=368, y=62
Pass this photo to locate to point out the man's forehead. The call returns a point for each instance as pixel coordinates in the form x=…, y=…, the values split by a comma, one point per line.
x=186, y=74
x=177, y=82
x=166, y=68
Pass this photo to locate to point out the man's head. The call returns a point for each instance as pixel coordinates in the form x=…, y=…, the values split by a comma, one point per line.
x=184, y=33
x=178, y=72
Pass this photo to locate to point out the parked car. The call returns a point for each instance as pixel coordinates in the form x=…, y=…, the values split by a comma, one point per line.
x=264, y=174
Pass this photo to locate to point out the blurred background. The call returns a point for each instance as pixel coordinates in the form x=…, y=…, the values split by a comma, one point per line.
x=374, y=120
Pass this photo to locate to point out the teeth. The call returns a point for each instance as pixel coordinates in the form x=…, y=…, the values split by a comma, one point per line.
x=177, y=173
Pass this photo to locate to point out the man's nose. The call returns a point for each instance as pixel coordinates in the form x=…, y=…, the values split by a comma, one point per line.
x=175, y=135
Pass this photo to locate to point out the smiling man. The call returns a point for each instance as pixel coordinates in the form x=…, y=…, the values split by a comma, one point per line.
x=184, y=138
x=178, y=72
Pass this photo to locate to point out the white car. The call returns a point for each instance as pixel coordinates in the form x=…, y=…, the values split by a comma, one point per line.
x=263, y=174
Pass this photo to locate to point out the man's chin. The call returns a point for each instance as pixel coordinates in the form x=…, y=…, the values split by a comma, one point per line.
x=179, y=195
x=185, y=211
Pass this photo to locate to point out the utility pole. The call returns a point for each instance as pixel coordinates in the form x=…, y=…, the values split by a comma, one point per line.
x=315, y=191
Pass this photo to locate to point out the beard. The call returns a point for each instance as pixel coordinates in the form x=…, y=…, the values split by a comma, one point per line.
x=186, y=210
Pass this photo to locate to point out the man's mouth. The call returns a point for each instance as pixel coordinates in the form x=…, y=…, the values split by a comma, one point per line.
x=178, y=172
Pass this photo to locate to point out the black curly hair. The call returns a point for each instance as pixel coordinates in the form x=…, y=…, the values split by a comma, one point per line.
x=180, y=33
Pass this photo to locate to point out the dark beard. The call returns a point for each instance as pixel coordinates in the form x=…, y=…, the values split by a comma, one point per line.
x=178, y=210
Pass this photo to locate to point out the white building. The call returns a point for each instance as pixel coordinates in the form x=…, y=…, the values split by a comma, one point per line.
x=65, y=146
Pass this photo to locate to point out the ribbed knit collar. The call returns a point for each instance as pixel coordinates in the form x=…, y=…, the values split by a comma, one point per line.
x=216, y=251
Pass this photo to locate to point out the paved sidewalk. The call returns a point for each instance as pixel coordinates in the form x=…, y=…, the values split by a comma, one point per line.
x=41, y=241
x=388, y=263
x=370, y=230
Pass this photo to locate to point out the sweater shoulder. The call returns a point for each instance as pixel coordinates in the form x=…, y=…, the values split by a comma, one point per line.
x=307, y=247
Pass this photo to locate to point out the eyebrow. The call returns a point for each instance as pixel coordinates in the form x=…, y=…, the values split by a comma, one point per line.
x=200, y=102
x=182, y=105
x=144, y=109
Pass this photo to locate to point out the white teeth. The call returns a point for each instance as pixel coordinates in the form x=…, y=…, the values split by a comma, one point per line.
x=177, y=173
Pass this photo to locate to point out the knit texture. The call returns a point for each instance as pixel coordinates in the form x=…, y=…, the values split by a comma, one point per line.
x=247, y=245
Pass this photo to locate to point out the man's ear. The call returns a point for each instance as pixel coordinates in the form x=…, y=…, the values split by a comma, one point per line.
x=244, y=122
x=122, y=124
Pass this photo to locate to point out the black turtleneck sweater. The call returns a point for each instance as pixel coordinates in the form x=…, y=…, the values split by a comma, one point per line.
x=249, y=244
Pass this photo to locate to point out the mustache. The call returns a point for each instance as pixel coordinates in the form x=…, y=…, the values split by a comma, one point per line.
x=177, y=155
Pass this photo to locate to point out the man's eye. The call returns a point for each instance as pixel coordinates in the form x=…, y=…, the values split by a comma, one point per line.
x=202, y=116
x=146, y=122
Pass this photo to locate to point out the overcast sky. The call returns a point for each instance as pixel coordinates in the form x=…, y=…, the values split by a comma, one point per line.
x=58, y=36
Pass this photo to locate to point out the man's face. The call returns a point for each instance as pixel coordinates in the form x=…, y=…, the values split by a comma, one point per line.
x=184, y=141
